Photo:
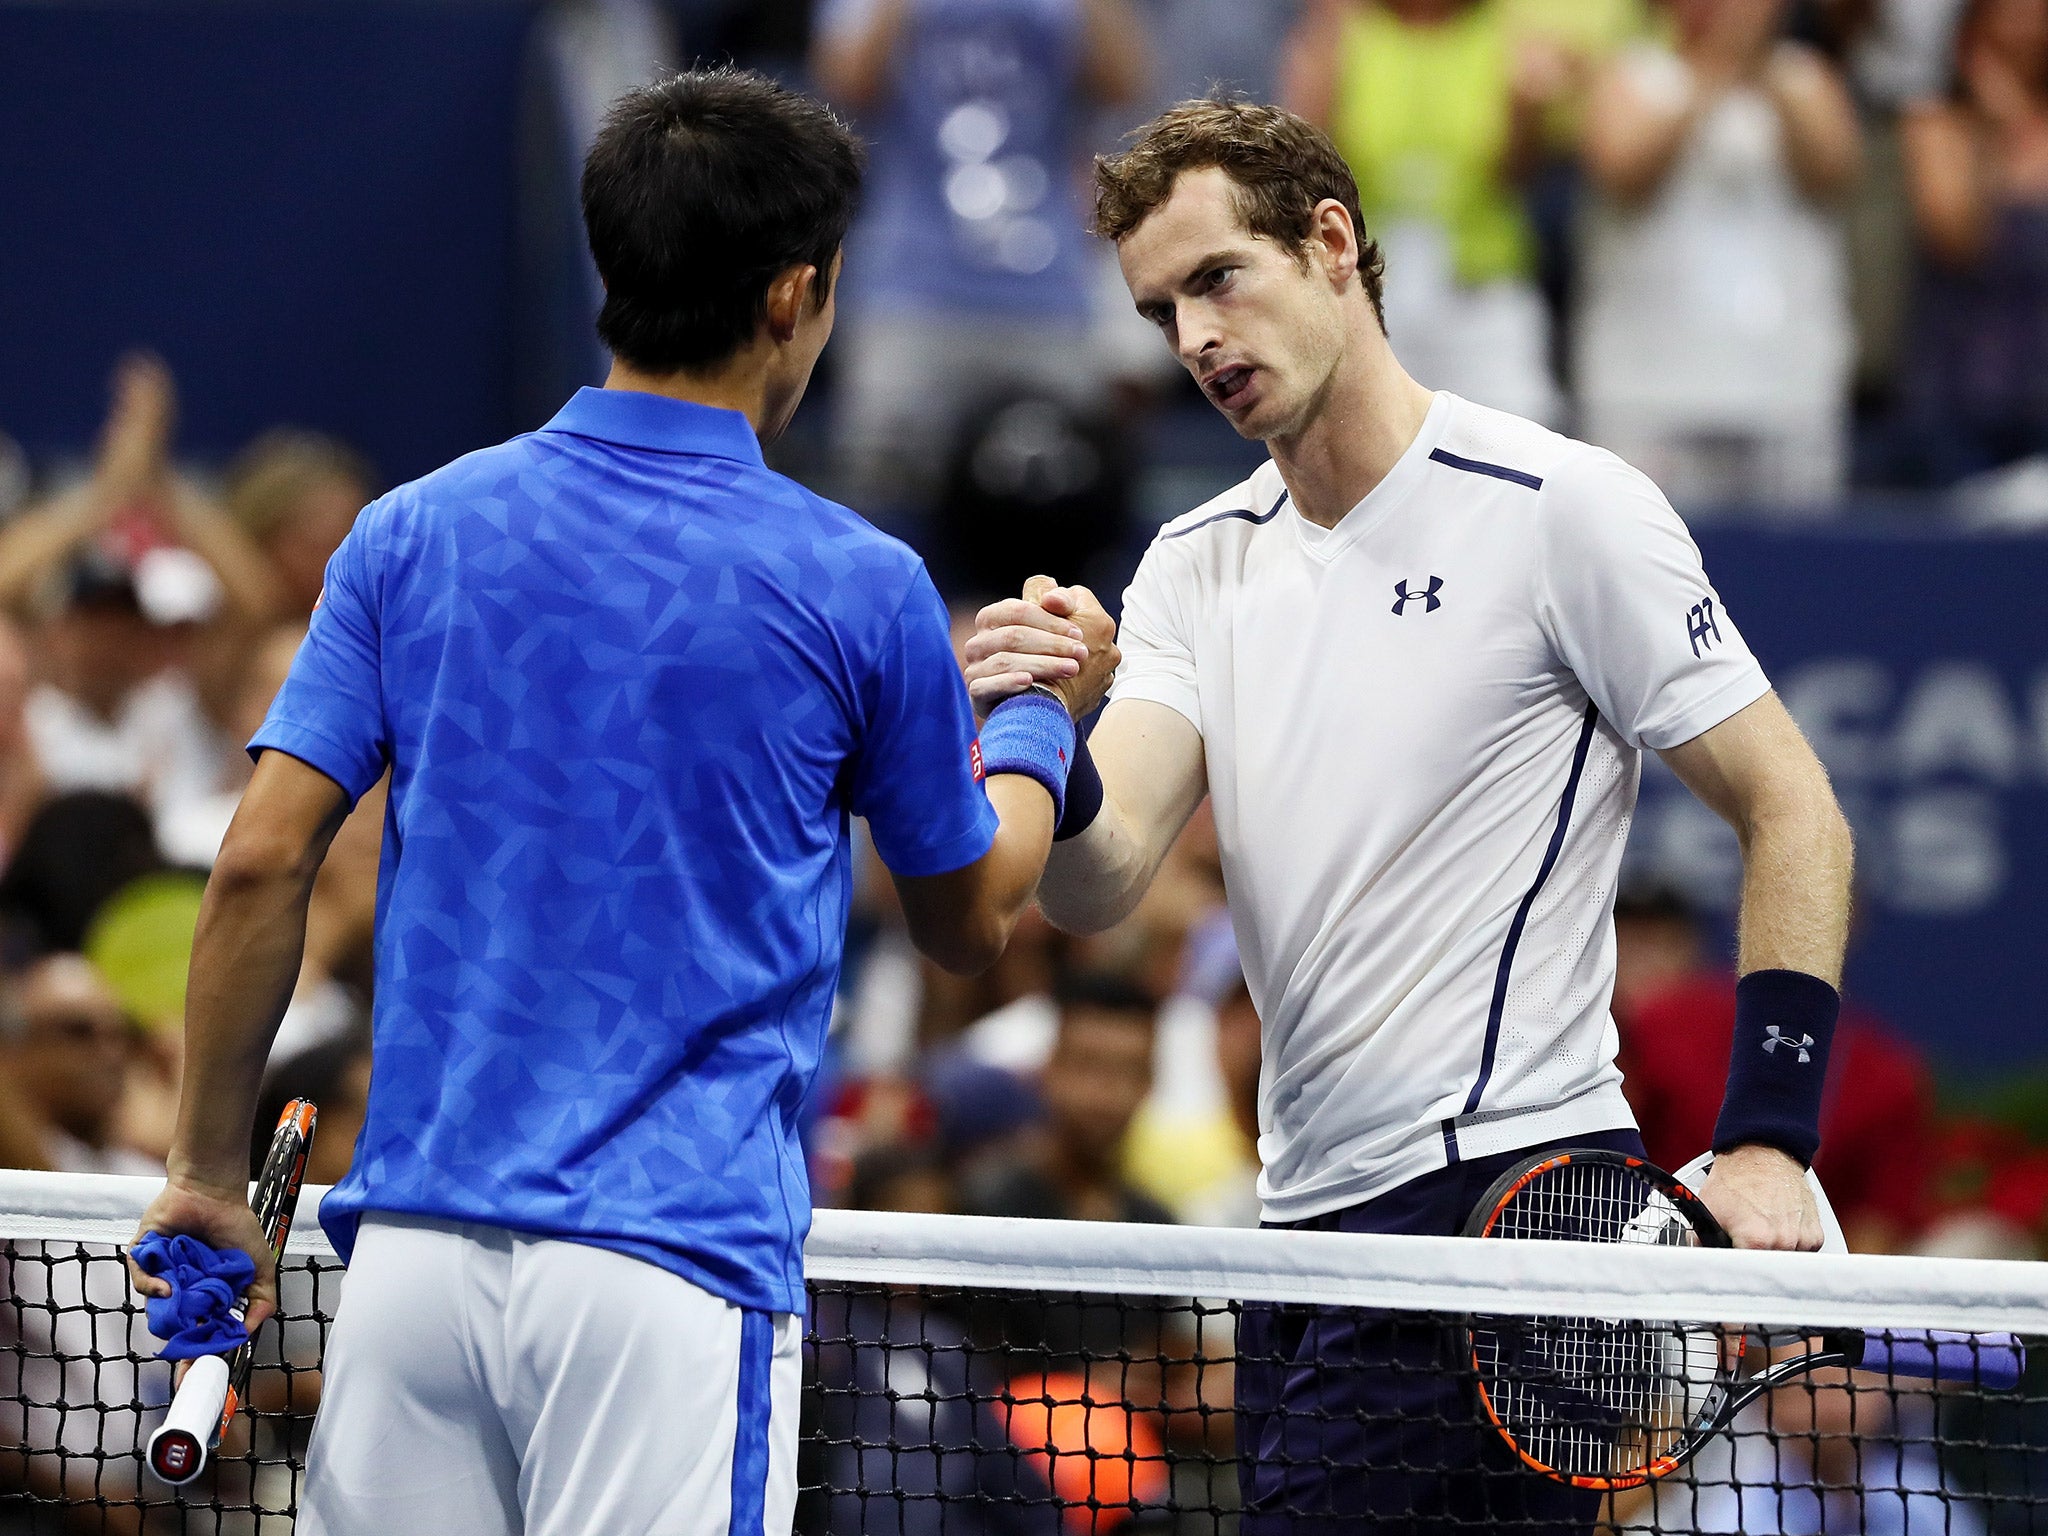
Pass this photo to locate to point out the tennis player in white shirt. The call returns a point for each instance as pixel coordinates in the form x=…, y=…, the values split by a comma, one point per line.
x=1414, y=661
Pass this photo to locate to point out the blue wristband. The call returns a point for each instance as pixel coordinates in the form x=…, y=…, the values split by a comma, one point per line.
x=1031, y=734
x=1778, y=1065
x=1084, y=793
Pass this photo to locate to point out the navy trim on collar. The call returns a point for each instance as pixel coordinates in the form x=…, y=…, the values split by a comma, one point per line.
x=657, y=423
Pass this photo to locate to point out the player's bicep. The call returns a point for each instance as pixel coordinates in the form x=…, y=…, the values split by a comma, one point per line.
x=1153, y=776
x=1751, y=765
x=287, y=817
x=1153, y=771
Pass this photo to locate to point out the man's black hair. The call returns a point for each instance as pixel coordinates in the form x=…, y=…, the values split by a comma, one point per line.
x=700, y=190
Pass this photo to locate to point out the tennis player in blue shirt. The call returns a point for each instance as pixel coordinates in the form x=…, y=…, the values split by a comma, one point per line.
x=629, y=684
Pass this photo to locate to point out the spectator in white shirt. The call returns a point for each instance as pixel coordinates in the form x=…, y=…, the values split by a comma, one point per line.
x=1713, y=345
x=118, y=573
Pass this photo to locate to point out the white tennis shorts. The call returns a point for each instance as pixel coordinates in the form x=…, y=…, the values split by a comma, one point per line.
x=479, y=1382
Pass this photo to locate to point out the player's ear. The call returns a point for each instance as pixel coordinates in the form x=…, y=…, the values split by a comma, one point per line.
x=789, y=299
x=1334, y=240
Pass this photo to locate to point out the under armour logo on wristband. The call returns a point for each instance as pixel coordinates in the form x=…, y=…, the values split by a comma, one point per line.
x=1779, y=1037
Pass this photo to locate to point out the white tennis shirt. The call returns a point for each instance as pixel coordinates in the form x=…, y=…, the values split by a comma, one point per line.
x=1423, y=731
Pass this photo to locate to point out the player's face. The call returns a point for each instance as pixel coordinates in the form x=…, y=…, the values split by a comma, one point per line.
x=1260, y=331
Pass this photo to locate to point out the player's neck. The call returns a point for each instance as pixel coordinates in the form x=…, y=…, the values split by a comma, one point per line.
x=1368, y=416
x=741, y=385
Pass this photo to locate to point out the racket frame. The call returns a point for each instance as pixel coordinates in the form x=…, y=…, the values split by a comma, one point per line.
x=1723, y=1403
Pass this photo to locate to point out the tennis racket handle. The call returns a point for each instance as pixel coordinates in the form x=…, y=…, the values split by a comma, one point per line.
x=179, y=1448
x=1993, y=1361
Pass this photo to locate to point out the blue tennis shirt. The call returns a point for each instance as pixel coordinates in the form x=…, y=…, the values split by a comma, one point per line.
x=629, y=683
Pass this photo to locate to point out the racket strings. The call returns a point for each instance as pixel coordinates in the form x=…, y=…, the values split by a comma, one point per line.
x=1586, y=1396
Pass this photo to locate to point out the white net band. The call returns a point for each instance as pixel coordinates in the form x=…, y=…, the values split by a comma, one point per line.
x=1410, y=1274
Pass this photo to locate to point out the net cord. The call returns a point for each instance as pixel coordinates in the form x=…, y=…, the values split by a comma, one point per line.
x=1454, y=1275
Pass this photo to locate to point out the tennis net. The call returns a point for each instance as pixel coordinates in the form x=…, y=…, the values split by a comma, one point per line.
x=986, y=1378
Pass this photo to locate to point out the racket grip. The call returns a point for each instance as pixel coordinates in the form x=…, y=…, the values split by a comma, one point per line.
x=179, y=1448
x=1992, y=1361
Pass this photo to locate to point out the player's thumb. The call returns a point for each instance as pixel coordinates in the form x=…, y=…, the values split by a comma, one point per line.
x=1038, y=589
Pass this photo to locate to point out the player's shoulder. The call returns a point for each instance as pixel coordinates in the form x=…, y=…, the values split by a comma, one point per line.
x=1510, y=450
x=476, y=478
x=1225, y=523
x=856, y=554
x=1565, y=476
x=1246, y=507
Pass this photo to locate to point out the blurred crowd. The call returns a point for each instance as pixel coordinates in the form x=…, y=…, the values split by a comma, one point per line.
x=1767, y=250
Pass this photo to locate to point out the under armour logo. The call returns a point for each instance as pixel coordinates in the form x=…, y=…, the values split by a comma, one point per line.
x=1429, y=599
x=1700, y=625
x=1779, y=1037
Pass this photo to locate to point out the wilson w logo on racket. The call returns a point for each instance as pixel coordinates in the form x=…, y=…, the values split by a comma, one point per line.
x=216, y=1385
x=1611, y=1403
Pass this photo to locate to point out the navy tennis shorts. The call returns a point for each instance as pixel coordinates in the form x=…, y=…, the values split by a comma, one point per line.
x=1352, y=1420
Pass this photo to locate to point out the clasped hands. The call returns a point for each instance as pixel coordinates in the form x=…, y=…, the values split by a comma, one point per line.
x=1058, y=637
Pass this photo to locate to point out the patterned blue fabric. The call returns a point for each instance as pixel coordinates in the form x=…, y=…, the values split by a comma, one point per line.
x=199, y=1316
x=629, y=683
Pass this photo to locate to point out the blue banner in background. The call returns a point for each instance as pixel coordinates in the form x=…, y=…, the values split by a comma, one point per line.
x=310, y=210
x=1918, y=666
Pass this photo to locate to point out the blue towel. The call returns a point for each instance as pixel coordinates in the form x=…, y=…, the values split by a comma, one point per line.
x=198, y=1317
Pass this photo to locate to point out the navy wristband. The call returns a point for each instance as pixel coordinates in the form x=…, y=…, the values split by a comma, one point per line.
x=1031, y=734
x=1778, y=1064
x=1084, y=794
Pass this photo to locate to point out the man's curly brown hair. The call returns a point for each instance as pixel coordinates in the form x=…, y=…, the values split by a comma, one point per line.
x=1281, y=165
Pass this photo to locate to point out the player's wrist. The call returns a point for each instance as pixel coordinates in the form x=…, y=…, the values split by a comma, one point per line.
x=1032, y=734
x=1047, y=691
x=1084, y=793
x=207, y=1179
x=1778, y=1064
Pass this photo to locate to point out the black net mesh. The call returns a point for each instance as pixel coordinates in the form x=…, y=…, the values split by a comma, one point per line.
x=988, y=1413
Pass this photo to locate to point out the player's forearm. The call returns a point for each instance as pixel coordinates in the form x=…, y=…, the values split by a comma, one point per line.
x=963, y=920
x=1797, y=857
x=1150, y=761
x=1757, y=772
x=1095, y=881
x=245, y=963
